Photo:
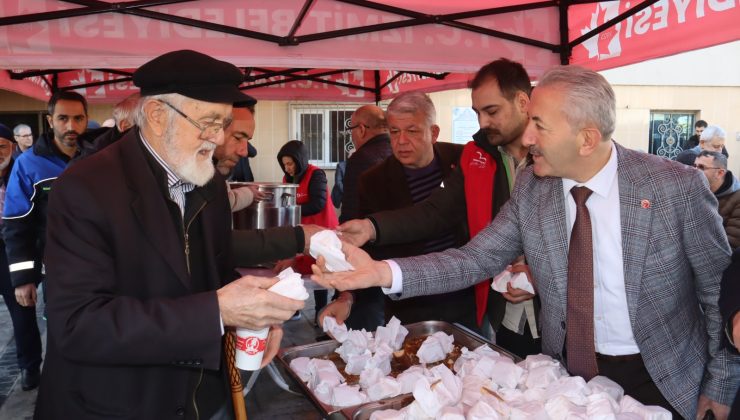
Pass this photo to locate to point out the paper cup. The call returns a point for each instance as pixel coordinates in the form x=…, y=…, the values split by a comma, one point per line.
x=250, y=348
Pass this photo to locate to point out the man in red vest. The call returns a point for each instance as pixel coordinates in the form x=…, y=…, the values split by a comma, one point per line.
x=472, y=195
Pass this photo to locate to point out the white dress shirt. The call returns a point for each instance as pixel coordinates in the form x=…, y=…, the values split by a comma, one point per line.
x=612, y=330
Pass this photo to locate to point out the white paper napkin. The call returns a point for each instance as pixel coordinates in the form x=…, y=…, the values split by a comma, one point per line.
x=327, y=244
x=290, y=285
x=517, y=280
x=331, y=327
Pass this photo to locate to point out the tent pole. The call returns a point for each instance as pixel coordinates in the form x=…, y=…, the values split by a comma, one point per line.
x=377, y=87
x=565, y=48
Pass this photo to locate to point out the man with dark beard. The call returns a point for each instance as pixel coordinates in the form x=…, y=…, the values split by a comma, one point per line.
x=473, y=194
x=24, y=215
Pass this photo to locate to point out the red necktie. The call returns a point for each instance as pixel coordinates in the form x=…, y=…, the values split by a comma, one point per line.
x=581, y=353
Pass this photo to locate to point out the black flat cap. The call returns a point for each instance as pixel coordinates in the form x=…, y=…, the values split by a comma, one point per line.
x=191, y=74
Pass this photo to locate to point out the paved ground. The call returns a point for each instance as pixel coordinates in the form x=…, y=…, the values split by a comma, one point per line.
x=265, y=401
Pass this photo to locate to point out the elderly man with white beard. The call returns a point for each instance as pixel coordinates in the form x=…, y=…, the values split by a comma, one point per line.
x=139, y=260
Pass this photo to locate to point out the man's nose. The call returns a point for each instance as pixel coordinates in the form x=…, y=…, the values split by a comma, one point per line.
x=529, y=137
x=242, y=149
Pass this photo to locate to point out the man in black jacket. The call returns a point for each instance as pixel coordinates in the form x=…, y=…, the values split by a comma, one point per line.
x=372, y=145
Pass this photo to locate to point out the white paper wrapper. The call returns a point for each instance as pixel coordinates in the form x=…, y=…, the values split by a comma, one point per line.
x=489, y=407
x=472, y=389
x=381, y=359
x=505, y=373
x=435, y=347
x=323, y=377
x=536, y=360
x=517, y=280
x=531, y=410
x=601, y=406
x=331, y=327
x=300, y=367
x=446, y=386
x=414, y=411
x=387, y=415
x=327, y=244
x=370, y=376
x=356, y=343
x=356, y=363
x=392, y=334
x=290, y=285
x=451, y=413
x=603, y=384
x=573, y=388
x=407, y=379
x=647, y=412
x=542, y=376
x=561, y=408
x=347, y=395
x=426, y=399
x=386, y=387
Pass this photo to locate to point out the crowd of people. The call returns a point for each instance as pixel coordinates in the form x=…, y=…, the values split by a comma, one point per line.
x=128, y=228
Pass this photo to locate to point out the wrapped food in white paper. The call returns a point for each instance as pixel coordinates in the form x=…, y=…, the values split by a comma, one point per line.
x=387, y=415
x=407, y=379
x=331, y=327
x=425, y=398
x=601, y=406
x=290, y=284
x=529, y=410
x=561, y=408
x=414, y=411
x=628, y=416
x=323, y=373
x=386, y=387
x=484, y=366
x=537, y=360
x=511, y=395
x=489, y=407
x=347, y=395
x=356, y=343
x=356, y=363
x=392, y=334
x=300, y=367
x=453, y=412
x=327, y=244
x=573, y=388
x=465, y=356
x=435, y=347
x=647, y=412
x=517, y=281
x=473, y=387
x=604, y=384
x=535, y=394
x=542, y=376
x=446, y=386
x=381, y=359
x=370, y=376
x=486, y=350
x=505, y=373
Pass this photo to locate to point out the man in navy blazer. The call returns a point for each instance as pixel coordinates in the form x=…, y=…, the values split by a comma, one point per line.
x=659, y=250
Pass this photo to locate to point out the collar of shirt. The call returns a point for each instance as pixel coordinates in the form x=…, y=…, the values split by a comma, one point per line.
x=173, y=181
x=600, y=183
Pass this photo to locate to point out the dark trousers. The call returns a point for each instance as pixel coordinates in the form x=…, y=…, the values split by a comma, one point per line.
x=630, y=373
x=25, y=328
x=368, y=310
x=520, y=344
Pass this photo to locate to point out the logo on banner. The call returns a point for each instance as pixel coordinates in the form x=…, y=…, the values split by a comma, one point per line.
x=605, y=44
x=251, y=345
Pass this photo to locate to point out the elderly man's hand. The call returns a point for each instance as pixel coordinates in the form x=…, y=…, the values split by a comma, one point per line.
x=339, y=309
x=367, y=272
x=26, y=294
x=357, y=231
x=247, y=303
x=274, y=337
x=308, y=232
x=259, y=195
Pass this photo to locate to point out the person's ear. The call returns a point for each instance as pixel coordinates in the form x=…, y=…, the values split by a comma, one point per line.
x=589, y=138
x=156, y=117
x=435, y=133
x=50, y=120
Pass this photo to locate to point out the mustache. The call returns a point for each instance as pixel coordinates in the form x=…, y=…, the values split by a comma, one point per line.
x=492, y=131
x=534, y=151
x=208, y=146
x=71, y=133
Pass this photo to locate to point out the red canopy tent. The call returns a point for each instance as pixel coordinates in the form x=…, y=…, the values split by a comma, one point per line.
x=341, y=50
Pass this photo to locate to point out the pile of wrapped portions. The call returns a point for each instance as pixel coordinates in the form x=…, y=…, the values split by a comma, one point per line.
x=482, y=384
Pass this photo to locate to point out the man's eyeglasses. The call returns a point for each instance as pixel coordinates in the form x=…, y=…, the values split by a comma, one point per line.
x=207, y=130
x=701, y=167
x=24, y=135
x=349, y=126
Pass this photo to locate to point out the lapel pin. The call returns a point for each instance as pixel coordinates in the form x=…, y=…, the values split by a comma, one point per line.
x=645, y=204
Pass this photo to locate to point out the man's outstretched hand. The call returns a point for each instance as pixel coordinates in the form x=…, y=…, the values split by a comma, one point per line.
x=367, y=272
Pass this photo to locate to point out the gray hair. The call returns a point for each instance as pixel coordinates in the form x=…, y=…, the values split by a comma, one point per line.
x=711, y=132
x=411, y=103
x=17, y=129
x=588, y=98
x=174, y=99
x=719, y=159
x=124, y=110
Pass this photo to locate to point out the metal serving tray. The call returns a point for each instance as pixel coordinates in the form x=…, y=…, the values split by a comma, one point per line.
x=462, y=335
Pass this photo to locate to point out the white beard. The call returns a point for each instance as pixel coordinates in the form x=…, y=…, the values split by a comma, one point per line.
x=190, y=168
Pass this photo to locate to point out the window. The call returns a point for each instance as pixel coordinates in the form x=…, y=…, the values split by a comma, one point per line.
x=669, y=131
x=323, y=128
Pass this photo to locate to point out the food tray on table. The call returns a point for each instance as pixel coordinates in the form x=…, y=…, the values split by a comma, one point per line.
x=462, y=335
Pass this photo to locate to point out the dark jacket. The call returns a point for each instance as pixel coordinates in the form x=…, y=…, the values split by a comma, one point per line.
x=95, y=140
x=317, y=190
x=5, y=287
x=376, y=150
x=134, y=326
x=729, y=305
x=444, y=209
x=728, y=200
x=384, y=187
x=24, y=215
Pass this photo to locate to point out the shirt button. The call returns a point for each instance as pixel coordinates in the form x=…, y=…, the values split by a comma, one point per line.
x=562, y=324
x=180, y=411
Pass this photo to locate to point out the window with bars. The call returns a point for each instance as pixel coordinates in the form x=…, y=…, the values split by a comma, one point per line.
x=669, y=131
x=323, y=128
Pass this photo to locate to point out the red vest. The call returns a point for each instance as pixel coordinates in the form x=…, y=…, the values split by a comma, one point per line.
x=326, y=217
x=479, y=170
